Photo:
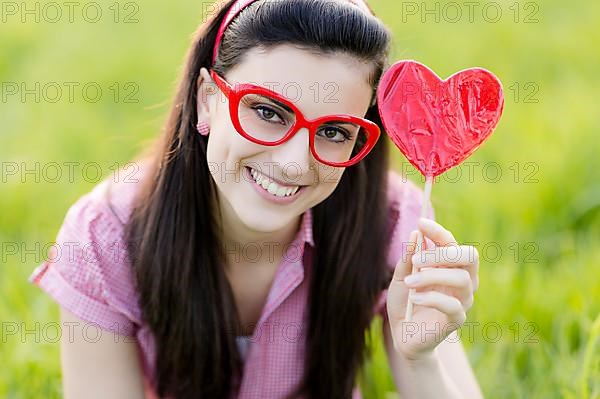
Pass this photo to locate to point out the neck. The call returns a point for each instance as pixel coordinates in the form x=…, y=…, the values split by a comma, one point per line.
x=246, y=246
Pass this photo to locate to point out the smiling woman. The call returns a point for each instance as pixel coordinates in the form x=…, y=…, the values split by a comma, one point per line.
x=272, y=44
x=256, y=247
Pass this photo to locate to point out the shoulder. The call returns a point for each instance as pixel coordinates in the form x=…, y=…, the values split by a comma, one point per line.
x=88, y=270
x=117, y=194
x=100, y=215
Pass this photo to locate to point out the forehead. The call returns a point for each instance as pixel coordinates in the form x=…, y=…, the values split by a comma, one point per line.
x=318, y=84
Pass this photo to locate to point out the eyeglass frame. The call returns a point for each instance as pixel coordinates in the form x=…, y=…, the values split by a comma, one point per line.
x=235, y=94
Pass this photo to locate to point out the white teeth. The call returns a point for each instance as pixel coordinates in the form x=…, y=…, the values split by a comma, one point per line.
x=271, y=186
x=281, y=191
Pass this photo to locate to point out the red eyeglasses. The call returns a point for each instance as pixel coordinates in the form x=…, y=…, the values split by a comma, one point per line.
x=268, y=118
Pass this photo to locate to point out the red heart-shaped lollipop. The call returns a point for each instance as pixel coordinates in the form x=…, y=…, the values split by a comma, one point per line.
x=438, y=123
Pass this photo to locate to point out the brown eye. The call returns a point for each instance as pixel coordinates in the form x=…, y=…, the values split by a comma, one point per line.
x=268, y=114
x=334, y=134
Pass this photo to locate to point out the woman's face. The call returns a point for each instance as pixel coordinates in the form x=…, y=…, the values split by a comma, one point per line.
x=318, y=85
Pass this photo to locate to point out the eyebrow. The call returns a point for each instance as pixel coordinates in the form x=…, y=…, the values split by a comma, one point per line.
x=282, y=105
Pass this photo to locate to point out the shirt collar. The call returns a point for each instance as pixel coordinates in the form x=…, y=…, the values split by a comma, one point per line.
x=306, y=230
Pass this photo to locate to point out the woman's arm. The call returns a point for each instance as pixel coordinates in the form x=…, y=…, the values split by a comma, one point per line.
x=447, y=374
x=99, y=369
x=427, y=359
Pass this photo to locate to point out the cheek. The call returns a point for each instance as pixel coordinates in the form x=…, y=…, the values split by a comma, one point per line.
x=216, y=151
x=225, y=154
x=219, y=154
x=222, y=140
x=328, y=180
x=329, y=176
x=222, y=143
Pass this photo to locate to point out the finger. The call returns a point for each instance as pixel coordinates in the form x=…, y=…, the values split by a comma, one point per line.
x=404, y=265
x=455, y=278
x=446, y=304
x=458, y=279
x=436, y=232
x=465, y=256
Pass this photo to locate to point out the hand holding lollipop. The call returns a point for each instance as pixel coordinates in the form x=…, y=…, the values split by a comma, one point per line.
x=436, y=124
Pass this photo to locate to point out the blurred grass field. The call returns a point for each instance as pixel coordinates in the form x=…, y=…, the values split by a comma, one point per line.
x=529, y=200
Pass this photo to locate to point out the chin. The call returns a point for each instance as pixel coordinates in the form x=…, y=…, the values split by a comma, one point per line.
x=260, y=220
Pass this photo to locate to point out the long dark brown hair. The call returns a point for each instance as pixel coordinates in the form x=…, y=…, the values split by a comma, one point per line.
x=174, y=241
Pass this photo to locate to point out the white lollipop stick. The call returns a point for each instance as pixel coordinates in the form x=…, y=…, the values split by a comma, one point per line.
x=420, y=242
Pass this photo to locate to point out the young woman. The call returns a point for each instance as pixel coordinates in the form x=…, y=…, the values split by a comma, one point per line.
x=257, y=241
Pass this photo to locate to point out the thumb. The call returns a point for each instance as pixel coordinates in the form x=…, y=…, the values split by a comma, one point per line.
x=404, y=265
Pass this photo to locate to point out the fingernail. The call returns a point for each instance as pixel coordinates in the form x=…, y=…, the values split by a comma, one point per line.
x=413, y=235
x=411, y=279
x=426, y=223
x=416, y=297
x=416, y=258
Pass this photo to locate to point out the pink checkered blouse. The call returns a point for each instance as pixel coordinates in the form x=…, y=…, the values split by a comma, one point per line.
x=88, y=272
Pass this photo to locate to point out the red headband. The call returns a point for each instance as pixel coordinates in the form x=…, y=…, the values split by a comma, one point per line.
x=241, y=4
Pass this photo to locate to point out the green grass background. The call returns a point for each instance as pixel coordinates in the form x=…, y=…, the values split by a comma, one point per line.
x=542, y=212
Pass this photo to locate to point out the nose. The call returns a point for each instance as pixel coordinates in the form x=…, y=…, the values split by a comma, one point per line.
x=294, y=156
